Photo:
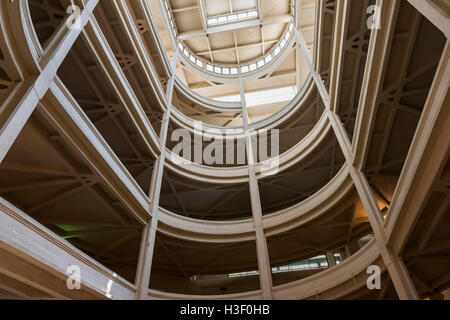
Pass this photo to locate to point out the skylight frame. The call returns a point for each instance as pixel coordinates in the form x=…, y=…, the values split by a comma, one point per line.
x=231, y=70
x=233, y=17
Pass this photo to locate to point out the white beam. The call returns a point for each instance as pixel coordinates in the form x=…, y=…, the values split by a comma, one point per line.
x=29, y=98
x=432, y=12
x=235, y=27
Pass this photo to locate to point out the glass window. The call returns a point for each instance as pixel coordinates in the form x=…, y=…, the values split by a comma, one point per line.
x=277, y=50
x=245, y=69
x=242, y=15
x=212, y=20
x=209, y=68
x=252, y=14
x=288, y=34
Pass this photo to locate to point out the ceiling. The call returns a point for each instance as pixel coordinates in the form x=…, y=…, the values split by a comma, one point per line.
x=237, y=42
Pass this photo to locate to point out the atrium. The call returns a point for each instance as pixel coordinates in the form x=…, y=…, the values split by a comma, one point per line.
x=224, y=149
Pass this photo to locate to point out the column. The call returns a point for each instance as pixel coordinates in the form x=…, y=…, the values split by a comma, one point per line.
x=265, y=274
x=149, y=233
x=330, y=259
x=397, y=270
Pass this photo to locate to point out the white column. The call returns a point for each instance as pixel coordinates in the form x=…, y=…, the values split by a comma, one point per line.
x=330, y=259
x=265, y=274
x=433, y=12
x=149, y=233
x=397, y=270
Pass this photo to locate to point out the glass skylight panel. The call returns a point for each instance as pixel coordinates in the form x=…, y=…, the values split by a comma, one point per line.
x=288, y=34
x=209, y=68
x=217, y=69
x=180, y=46
x=186, y=53
x=263, y=97
x=252, y=14
x=212, y=20
x=230, y=17
x=233, y=98
x=270, y=96
x=277, y=50
x=261, y=63
x=268, y=58
x=226, y=70
x=245, y=69
x=253, y=67
x=234, y=70
x=282, y=43
x=199, y=63
x=242, y=15
x=192, y=58
x=291, y=26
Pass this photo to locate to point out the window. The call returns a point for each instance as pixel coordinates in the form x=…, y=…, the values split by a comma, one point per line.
x=268, y=58
x=243, y=274
x=230, y=17
x=277, y=50
x=316, y=263
x=263, y=97
x=337, y=258
x=252, y=14
x=212, y=20
x=243, y=15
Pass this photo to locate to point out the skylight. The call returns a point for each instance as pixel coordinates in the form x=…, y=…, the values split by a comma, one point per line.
x=263, y=97
x=227, y=70
x=232, y=17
